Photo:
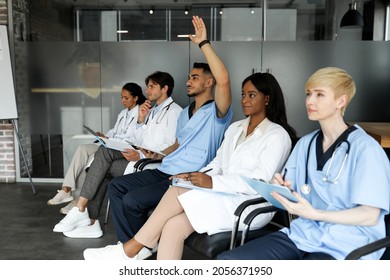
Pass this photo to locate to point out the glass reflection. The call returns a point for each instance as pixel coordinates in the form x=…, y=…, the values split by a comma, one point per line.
x=74, y=62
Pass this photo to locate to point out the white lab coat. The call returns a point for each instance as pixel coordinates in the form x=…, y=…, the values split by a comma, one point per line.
x=259, y=156
x=124, y=128
x=160, y=132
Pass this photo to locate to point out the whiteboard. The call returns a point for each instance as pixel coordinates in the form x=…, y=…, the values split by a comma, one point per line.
x=7, y=91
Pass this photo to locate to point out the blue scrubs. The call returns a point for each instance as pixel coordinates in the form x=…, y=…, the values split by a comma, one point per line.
x=133, y=195
x=199, y=138
x=364, y=180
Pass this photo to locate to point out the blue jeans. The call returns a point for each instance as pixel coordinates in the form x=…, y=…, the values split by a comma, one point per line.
x=132, y=196
x=273, y=246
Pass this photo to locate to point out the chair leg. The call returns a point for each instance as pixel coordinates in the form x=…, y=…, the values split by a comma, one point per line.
x=234, y=232
x=244, y=234
x=107, y=212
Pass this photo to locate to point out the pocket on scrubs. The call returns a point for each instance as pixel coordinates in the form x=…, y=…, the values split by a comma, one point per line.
x=340, y=238
x=192, y=153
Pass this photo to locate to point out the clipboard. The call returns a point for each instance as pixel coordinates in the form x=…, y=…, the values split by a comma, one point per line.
x=101, y=141
x=265, y=189
x=187, y=184
x=110, y=143
x=137, y=147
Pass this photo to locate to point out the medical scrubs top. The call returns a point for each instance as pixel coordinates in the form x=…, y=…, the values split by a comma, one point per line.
x=199, y=137
x=364, y=180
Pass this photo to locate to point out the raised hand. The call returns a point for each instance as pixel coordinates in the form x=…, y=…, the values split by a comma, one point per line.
x=200, y=30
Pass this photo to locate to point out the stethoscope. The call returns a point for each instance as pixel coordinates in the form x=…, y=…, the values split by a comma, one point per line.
x=305, y=188
x=160, y=115
x=123, y=125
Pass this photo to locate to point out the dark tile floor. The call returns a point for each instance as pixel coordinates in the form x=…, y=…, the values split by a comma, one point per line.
x=27, y=222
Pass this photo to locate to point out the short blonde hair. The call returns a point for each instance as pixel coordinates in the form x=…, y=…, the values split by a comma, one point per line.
x=335, y=78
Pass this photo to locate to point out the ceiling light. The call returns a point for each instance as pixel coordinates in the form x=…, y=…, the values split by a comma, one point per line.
x=352, y=18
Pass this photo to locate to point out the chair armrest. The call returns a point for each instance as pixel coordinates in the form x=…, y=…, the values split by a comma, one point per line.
x=247, y=203
x=139, y=162
x=261, y=210
x=251, y=216
x=150, y=161
x=369, y=248
x=237, y=217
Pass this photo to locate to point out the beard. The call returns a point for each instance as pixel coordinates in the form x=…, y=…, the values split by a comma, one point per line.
x=192, y=94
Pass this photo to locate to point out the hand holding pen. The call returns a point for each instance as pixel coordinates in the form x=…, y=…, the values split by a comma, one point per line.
x=280, y=179
x=200, y=179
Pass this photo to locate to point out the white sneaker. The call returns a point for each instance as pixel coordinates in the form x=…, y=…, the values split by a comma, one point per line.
x=64, y=210
x=74, y=219
x=114, y=252
x=61, y=197
x=90, y=231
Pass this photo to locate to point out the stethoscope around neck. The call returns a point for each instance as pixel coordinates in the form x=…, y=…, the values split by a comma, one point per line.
x=160, y=115
x=306, y=188
x=123, y=124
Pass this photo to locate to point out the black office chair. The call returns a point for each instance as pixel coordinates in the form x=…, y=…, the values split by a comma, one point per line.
x=354, y=255
x=374, y=246
x=209, y=246
x=138, y=166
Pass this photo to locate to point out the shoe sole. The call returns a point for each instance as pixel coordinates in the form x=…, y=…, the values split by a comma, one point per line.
x=68, y=234
x=64, y=201
x=64, y=212
x=86, y=223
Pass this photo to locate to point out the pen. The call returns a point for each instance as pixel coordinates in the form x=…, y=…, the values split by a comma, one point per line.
x=284, y=174
x=284, y=177
x=207, y=170
x=131, y=144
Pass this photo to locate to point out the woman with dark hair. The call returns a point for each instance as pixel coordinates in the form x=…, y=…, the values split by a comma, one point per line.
x=131, y=97
x=275, y=109
x=253, y=147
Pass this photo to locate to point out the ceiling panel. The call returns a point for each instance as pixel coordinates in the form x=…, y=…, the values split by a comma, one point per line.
x=178, y=3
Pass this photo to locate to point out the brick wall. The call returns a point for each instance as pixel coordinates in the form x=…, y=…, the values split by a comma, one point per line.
x=7, y=153
x=7, y=149
x=7, y=145
x=3, y=12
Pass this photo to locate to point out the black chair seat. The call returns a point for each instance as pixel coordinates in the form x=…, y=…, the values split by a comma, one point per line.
x=210, y=246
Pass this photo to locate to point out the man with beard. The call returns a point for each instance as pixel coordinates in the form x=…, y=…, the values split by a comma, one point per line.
x=199, y=133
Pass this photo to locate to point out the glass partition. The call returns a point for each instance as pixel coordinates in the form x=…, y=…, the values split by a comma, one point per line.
x=367, y=62
x=73, y=57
